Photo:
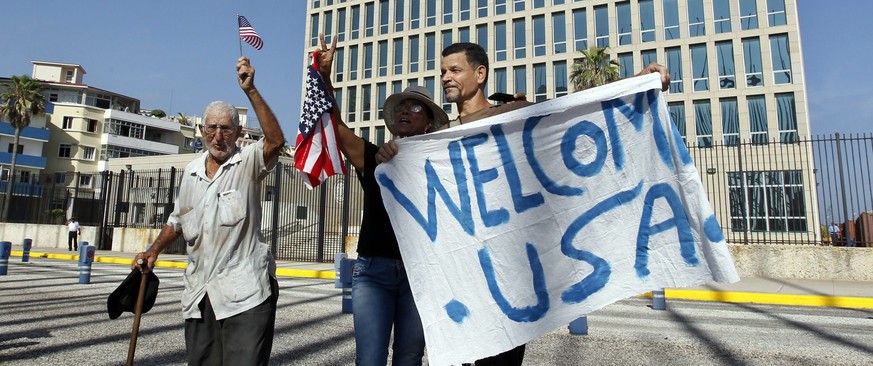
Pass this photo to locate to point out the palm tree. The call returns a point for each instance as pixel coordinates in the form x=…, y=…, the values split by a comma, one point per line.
x=183, y=119
x=595, y=68
x=20, y=102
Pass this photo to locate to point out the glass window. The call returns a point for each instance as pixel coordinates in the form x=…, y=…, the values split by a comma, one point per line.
x=370, y=19
x=726, y=70
x=624, y=24
x=559, y=32
x=88, y=154
x=580, y=29
x=338, y=94
x=677, y=115
x=700, y=78
x=341, y=24
x=413, y=53
x=540, y=88
x=730, y=121
x=520, y=74
x=365, y=133
x=482, y=36
x=721, y=9
x=447, y=38
x=482, y=8
x=539, y=36
x=627, y=64
x=353, y=62
x=383, y=17
x=520, y=38
x=398, y=56
x=499, y=7
x=356, y=22
x=771, y=201
x=787, y=113
x=340, y=64
x=396, y=86
x=380, y=135
x=447, y=11
x=67, y=123
x=383, y=58
x=313, y=32
x=64, y=150
x=464, y=12
x=500, y=39
x=430, y=19
x=752, y=55
x=671, y=19
x=368, y=61
x=776, y=12
x=500, y=80
x=464, y=34
x=696, y=25
x=781, y=58
x=647, y=20
x=748, y=14
x=328, y=26
x=601, y=26
x=703, y=123
x=414, y=14
x=758, y=119
x=674, y=66
x=430, y=51
x=382, y=91
x=648, y=56
x=366, y=96
x=518, y=5
x=353, y=103
x=398, y=15
x=539, y=3
x=561, y=79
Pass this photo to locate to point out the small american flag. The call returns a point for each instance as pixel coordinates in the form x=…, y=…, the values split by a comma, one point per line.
x=248, y=34
x=317, y=154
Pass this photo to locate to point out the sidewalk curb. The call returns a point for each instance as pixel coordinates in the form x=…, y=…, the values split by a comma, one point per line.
x=673, y=294
x=846, y=302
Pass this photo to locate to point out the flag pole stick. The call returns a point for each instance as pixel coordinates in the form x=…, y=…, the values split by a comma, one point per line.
x=238, y=38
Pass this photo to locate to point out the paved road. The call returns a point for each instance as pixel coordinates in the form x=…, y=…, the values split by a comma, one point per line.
x=47, y=318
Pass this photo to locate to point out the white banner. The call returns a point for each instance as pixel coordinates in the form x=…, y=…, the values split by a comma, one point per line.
x=517, y=224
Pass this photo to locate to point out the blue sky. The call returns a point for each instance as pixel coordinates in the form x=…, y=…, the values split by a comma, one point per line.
x=180, y=55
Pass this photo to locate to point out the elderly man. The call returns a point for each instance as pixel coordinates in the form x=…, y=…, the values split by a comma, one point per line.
x=229, y=301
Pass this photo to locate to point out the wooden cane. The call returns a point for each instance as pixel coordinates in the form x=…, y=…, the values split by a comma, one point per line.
x=137, y=314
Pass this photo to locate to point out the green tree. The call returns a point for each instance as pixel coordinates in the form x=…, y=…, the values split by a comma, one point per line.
x=595, y=68
x=20, y=102
x=158, y=113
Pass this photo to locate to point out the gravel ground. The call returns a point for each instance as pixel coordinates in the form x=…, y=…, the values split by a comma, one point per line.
x=47, y=318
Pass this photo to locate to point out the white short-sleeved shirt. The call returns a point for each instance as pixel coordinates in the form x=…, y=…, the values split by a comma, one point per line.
x=220, y=219
x=73, y=226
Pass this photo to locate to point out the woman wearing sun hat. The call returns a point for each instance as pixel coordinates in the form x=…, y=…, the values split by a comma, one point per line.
x=380, y=289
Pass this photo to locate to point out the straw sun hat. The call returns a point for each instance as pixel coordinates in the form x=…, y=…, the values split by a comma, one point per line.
x=420, y=94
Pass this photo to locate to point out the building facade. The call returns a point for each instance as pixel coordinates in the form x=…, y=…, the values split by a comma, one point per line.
x=736, y=71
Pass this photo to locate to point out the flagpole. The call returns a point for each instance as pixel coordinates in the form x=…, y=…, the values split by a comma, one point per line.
x=238, y=37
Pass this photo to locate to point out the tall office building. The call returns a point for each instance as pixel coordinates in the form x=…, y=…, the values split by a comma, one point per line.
x=736, y=69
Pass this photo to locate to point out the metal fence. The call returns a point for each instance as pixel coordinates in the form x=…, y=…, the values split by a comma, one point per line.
x=762, y=192
x=789, y=192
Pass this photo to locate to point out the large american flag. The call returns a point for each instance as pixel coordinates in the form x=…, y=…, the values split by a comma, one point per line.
x=317, y=154
x=248, y=34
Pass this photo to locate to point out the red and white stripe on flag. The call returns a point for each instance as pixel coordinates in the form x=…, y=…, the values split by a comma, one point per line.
x=317, y=154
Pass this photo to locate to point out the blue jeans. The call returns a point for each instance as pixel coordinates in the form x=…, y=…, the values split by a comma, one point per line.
x=381, y=299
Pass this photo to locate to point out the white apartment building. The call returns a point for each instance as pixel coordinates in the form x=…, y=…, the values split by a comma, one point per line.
x=89, y=126
x=736, y=68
